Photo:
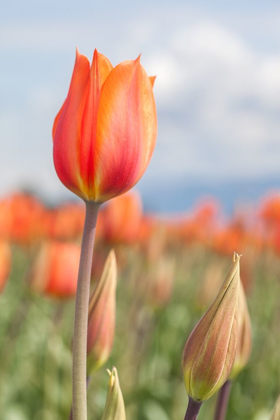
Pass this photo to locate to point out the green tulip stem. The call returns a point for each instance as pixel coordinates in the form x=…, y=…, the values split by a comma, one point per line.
x=193, y=409
x=222, y=401
x=71, y=412
x=79, y=403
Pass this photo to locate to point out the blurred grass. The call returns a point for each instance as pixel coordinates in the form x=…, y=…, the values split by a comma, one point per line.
x=36, y=334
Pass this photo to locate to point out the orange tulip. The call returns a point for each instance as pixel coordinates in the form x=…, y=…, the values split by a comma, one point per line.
x=105, y=133
x=55, y=269
x=122, y=218
x=21, y=218
x=65, y=222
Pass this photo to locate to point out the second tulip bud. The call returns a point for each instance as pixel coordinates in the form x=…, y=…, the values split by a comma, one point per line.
x=102, y=315
x=210, y=350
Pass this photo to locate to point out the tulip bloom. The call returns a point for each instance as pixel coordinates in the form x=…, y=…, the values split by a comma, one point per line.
x=55, y=269
x=122, y=218
x=210, y=350
x=105, y=133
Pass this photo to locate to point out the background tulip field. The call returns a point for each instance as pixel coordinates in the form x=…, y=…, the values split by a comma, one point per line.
x=169, y=271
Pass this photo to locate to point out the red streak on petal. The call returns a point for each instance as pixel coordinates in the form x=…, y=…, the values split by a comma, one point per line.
x=99, y=71
x=67, y=131
x=126, y=129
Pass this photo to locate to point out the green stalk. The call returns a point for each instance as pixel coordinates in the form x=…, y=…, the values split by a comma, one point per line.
x=81, y=315
x=71, y=412
x=193, y=409
x=222, y=401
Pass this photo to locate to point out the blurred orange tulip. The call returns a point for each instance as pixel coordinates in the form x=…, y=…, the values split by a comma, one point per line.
x=122, y=218
x=55, y=269
x=105, y=133
x=21, y=218
x=270, y=209
x=65, y=222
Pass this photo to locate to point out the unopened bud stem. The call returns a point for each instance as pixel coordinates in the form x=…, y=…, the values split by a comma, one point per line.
x=193, y=409
x=222, y=401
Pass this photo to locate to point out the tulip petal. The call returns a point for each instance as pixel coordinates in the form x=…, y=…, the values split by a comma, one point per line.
x=57, y=119
x=67, y=128
x=153, y=79
x=126, y=130
x=244, y=342
x=99, y=71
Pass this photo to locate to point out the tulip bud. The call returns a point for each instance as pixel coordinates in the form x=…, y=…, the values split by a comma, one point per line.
x=102, y=315
x=244, y=335
x=210, y=350
x=114, y=408
x=276, y=412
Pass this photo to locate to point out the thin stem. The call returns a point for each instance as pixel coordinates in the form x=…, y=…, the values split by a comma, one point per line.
x=222, y=401
x=81, y=315
x=71, y=412
x=193, y=409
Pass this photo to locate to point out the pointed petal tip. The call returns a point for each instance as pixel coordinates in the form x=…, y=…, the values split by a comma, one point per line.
x=112, y=255
x=81, y=57
x=94, y=59
x=137, y=60
x=95, y=54
x=113, y=375
x=77, y=52
x=153, y=79
x=236, y=257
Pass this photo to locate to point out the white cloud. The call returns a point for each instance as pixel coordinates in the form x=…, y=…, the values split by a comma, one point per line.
x=218, y=97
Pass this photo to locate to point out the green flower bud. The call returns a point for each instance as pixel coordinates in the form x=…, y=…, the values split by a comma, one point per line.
x=244, y=335
x=114, y=408
x=209, y=353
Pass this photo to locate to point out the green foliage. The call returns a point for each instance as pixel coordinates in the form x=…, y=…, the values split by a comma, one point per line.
x=36, y=334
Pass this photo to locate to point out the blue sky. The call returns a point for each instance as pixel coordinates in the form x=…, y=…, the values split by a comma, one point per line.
x=217, y=88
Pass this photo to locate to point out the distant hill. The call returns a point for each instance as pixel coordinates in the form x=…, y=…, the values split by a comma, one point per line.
x=179, y=197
